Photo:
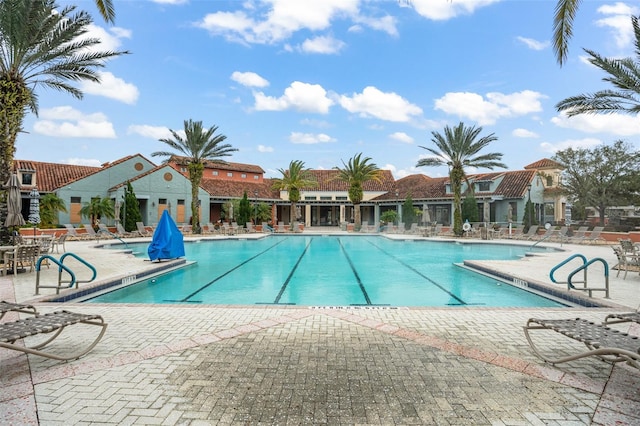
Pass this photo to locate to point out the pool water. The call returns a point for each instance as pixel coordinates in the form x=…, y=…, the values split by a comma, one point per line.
x=331, y=271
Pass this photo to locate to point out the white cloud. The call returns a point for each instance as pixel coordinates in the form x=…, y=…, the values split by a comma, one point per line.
x=439, y=10
x=152, y=132
x=386, y=23
x=496, y=105
x=282, y=19
x=569, y=143
x=67, y=122
x=249, y=79
x=385, y=106
x=299, y=96
x=618, y=20
x=615, y=124
x=263, y=148
x=325, y=45
x=524, y=133
x=310, y=138
x=401, y=137
x=111, y=87
x=320, y=124
x=110, y=40
x=534, y=44
x=82, y=162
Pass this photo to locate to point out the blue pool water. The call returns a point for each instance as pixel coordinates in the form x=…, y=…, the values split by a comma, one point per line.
x=331, y=271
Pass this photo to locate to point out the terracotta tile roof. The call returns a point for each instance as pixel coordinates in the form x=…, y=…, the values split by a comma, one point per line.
x=514, y=184
x=222, y=165
x=327, y=181
x=418, y=186
x=545, y=163
x=51, y=176
x=233, y=189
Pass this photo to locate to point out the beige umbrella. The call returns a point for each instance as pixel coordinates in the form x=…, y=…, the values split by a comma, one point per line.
x=14, y=203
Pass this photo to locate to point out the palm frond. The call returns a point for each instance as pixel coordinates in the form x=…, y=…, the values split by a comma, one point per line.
x=563, y=18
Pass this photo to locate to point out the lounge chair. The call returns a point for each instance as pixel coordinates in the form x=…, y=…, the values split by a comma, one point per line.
x=617, y=318
x=579, y=235
x=413, y=229
x=530, y=234
x=91, y=232
x=281, y=228
x=606, y=343
x=516, y=231
x=186, y=230
x=73, y=234
x=123, y=232
x=266, y=227
x=6, y=307
x=594, y=236
x=560, y=235
x=55, y=323
x=142, y=230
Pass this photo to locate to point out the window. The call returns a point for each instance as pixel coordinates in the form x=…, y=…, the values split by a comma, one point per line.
x=484, y=186
x=229, y=174
x=162, y=201
x=181, y=202
x=76, y=200
x=341, y=198
x=183, y=169
x=325, y=198
x=215, y=173
x=243, y=175
x=27, y=178
x=549, y=180
x=256, y=177
x=310, y=198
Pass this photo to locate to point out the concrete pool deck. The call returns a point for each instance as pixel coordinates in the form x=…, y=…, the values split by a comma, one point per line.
x=200, y=365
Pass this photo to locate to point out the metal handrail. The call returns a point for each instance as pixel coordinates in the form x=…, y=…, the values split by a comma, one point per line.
x=61, y=267
x=81, y=260
x=585, y=288
x=558, y=266
x=114, y=236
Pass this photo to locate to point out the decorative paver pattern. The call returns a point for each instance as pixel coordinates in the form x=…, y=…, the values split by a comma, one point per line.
x=202, y=365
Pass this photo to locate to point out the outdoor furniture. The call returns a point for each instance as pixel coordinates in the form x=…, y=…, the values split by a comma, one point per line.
x=123, y=232
x=92, y=234
x=142, y=230
x=617, y=318
x=626, y=261
x=57, y=242
x=594, y=236
x=23, y=255
x=73, y=234
x=6, y=307
x=530, y=234
x=579, y=235
x=606, y=343
x=55, y=323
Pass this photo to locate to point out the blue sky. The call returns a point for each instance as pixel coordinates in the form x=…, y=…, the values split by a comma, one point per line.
x=320, y=81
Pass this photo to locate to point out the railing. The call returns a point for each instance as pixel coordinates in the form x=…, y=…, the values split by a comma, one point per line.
x=584, y=267
x=114, y=236
x=61, y=267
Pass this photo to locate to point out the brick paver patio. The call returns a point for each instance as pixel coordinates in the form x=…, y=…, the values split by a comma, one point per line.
x=200, y=365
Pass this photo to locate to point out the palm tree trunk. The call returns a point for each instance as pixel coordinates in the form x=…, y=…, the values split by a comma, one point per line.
x=456, y=183
x=195, y=175
x=356, y=217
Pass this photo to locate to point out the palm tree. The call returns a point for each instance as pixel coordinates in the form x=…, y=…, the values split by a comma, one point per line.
x=563, y=27
x=355, y=173
x=624, y=74
x=98, y=208
x=50, y=205
x=458, y=149
x=41, y=47
x=198, y=146
x=106, y=9
x=293, y=179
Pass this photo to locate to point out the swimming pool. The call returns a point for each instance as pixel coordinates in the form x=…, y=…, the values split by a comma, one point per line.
x=331, y=271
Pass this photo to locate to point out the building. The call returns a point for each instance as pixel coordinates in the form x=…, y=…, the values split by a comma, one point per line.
x=501, y=196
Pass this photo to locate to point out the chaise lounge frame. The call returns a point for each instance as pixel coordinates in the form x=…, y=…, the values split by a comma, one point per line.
x=609, y=344
x=54, y=322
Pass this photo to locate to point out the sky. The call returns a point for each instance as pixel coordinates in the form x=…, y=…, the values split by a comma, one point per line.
x=321, y=81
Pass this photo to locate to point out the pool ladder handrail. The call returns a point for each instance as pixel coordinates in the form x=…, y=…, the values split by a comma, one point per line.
x=585, y=265
x=62, y=267
x=114, y=236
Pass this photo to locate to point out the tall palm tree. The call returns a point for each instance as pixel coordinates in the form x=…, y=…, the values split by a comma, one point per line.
x=458, y=149
x=198, y=146
x=293, y=180
x=40, y=46
x=624, y=75
x=355, y=173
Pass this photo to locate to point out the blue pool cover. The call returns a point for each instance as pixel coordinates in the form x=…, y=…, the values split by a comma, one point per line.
x=167, y=240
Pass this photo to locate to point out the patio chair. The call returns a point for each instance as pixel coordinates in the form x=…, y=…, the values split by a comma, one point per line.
x=560, y=235
x=413, y=229
x=23, y=255
x=250, y=228
x=606, y=343
x=57, y=242
x=55, y=323
x=579, y=235
x=142, y=230
x=280, y=228
x=628, y=247
x=626, y=261
x=121, y=232
x=6, y=307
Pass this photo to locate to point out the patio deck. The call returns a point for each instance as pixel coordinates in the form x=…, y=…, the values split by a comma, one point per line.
x=176, y=364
